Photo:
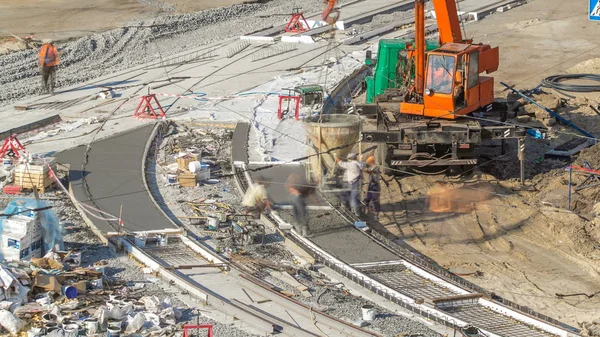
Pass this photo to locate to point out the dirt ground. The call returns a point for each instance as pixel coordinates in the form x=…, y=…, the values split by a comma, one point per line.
x=523, y=245
x=62, y=19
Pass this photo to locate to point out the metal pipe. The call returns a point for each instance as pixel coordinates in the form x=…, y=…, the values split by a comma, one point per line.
x=570, y=184
x=420, y=46
x=521, y=145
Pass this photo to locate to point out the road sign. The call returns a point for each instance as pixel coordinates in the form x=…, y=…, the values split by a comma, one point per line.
x=594, y=10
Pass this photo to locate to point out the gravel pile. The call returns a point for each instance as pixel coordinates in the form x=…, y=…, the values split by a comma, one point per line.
x=140, y=42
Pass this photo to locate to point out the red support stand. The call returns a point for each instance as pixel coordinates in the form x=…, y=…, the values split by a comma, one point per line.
x=209, y=327
x=145, y=109
x=280, y=110
x=11, y=147
x=297, y=23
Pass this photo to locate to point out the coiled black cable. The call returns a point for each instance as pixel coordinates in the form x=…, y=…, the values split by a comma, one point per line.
x=556, y=82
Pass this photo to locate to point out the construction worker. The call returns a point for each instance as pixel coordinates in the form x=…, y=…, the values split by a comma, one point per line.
x=299, y=188
x=442, y=69
x=256, y=200
x=351, y=181
x=373, y=187
x=48, y=61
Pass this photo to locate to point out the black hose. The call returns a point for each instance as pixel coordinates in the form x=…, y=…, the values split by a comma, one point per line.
x=556, y=82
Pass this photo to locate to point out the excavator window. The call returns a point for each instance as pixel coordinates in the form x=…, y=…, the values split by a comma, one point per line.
x=440, y=72
x=473, y=69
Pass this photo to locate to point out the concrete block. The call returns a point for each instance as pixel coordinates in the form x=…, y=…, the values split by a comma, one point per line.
x=258, y=38
x=297, y=39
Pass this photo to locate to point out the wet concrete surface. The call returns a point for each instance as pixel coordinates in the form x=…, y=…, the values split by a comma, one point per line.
x=239, y=148
x=114, y=178
x=277, y=176
x=342, y=240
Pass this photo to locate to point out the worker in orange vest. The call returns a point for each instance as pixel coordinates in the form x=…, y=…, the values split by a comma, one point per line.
x=48, y=60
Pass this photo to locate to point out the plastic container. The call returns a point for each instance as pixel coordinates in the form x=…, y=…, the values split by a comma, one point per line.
x=213, y=222
x=43, y=299
x=49, y=318
x=70, y=291
x=113, y=332
x=172, y=178
x=202, y=170
x=91, y=325
x=115, y=324
x=71, y=330
x=163, y=240
x=368, y=312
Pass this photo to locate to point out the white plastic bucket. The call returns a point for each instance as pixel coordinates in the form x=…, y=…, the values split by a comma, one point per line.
x=43, y=299
x=195, y=166
x=213, y=221
x=368, y=312
x=202, y=170
x=114, y=332
x=71, y=330
x=91, y=325
x=163, y=240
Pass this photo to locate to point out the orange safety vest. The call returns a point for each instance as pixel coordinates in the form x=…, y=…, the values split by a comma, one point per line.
x=48, y=55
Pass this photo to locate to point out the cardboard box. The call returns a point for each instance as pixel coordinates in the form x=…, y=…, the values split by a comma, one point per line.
x=184, y=162
x=187, y=179
x=18, y=247
x=20, y=224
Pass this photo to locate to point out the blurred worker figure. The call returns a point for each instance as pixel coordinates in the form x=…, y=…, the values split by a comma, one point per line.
x=300, y=188
x=351, y=181
x=373, y=188
x=256, y=200
x=48, y=61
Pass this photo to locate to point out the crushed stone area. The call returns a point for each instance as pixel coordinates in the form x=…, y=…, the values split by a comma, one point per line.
x=334, y=299
x=157, y=38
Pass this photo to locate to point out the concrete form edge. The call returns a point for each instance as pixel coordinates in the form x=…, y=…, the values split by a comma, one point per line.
x=142, y=257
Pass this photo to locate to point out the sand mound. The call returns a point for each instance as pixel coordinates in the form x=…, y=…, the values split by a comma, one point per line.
x=591, y=66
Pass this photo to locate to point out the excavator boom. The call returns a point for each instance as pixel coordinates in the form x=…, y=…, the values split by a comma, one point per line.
x=447, y=21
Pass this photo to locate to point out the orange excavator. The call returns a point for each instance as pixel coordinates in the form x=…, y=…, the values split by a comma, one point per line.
x=330, y=14
x=447, y=80
x=423, y=93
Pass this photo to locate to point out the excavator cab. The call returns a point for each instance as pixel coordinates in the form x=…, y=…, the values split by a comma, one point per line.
x=453, y=86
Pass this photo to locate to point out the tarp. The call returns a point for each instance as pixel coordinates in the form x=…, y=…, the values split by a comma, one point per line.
x=51, y=228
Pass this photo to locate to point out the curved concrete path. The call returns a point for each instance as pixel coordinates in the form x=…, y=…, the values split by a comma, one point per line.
x=114, y=177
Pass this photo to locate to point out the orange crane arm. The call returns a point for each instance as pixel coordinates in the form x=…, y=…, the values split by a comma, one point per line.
x=447, y=21
x=329, y=4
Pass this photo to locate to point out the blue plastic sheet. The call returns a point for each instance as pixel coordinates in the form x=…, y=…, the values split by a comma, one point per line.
x=51, y=228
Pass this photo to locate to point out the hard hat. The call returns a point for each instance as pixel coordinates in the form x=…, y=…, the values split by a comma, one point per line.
x=352, y=156
x=370, y=160
x=48, y=41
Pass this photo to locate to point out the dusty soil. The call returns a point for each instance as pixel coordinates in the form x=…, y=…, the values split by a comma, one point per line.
x=518, y=243
x=62, y=19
